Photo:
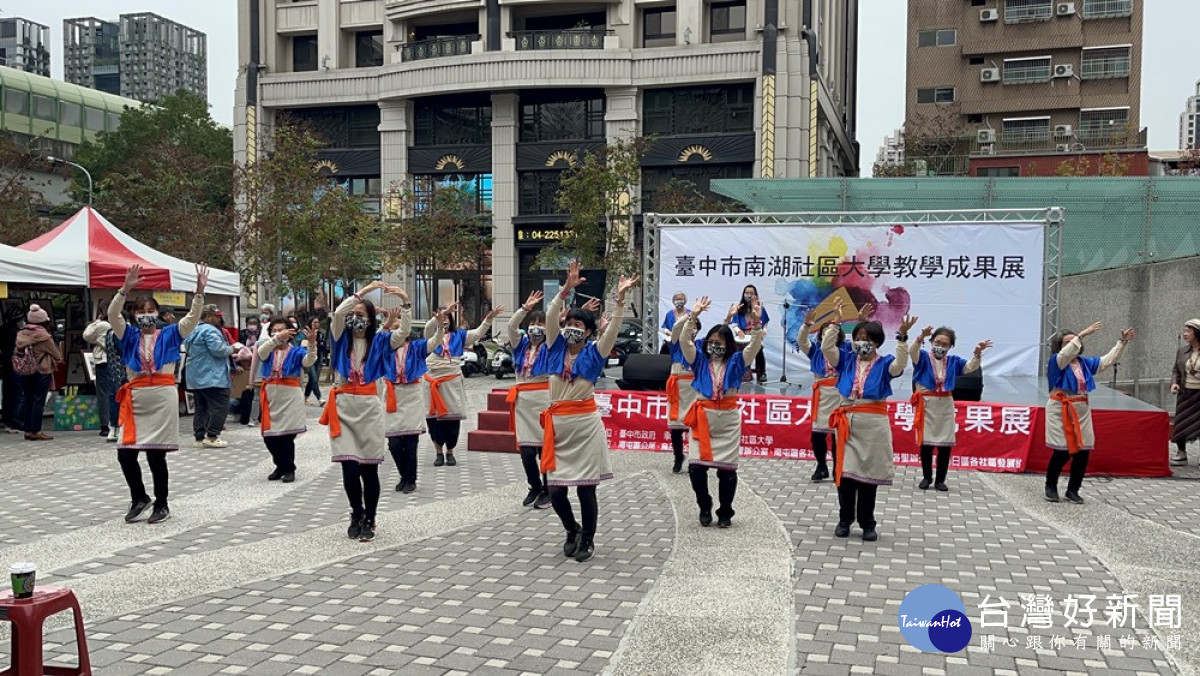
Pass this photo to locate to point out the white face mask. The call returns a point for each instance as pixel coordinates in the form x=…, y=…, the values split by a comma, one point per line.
x=748, y=298
x=537, y=333
x=573, y=335
x=864, y=346
x=356, y=322
x=939, y=351
x=680, y=304
x=146, y=321
x=715, y=350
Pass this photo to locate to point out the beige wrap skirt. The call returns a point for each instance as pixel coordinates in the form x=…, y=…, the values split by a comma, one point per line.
x=355, y=419
x=404, y=409
x=1060, y=422
x=864, y=439
x=155, y=415
x=575, y=450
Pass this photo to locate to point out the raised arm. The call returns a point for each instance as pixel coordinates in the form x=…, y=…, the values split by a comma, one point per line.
x=901, y=362
x=269, y=345
x=976, y=360
x=609, y=338
x=688, y=347
x=400, y=333
x=751, y=350
x=830, y=347
x=914, y=352
x=803, y=343
x=1114, y=355
x=677, y=330
x=337, y=323
x=192, y=318
x=513, y=330
x=476, y=334
x=114, y=314
x=310, y=353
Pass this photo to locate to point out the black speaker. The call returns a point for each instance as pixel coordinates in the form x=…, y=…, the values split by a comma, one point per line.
x=969, y=386
x=645, y=372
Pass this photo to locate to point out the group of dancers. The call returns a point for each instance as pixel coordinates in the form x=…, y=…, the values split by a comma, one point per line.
x=391, y=387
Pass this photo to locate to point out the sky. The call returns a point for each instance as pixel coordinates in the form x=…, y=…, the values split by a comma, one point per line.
x=1169, y=66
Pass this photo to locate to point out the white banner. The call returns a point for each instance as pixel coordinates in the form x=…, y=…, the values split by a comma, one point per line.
x=982, y=280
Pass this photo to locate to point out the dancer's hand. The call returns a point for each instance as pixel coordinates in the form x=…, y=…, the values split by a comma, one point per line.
x=573, y=278
x=533, y=299
x=983, y=345
x=700, y=306
x=201, y=278
x=1091, y=329
x=1128, y=335
x=907, y=323
x=133, y=277
x=864, y=312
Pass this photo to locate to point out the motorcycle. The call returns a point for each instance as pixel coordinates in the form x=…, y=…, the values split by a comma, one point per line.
x=502, y=361
x=475, y=361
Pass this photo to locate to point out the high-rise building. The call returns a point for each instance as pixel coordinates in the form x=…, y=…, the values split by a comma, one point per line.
x=891, y=153
x=25, y=45
x=141, y=56
x=1011, y=87
x=1189, y=119
x=502, y=98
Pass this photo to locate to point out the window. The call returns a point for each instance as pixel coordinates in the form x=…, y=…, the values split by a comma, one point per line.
x=478, y=187
x=538, y=193
x=1107, y=124
x=727, y=21
x=368, y=49
x=561, y=119
x=70, y=114
x=1107, y=62
x=1022, y=11
x=93, y=119
x=114, y=121
x=1103, y=9
x=44, y=108
x=304, y=53
x=1027, y=129
x=976, y=60
x=998, y=172
x=936, y=95
x=978, y=3
x=710, y=110
x=16, y=102
x=438, y=123
x=1024, y=71
x=975, y=118
x=944, y=37
x=658, y=27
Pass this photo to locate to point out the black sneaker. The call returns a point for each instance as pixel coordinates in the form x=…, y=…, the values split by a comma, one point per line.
x=585, y=550
x=678, y=468
x=275, y=476
x=441, y=460
x=367, y=532
x=1073, y=496
x=724, y=523
x=159, y=515
x=1051, y=494
x=842, y=530
x=531, y=497
x=104, y=431
x=450, y=461
x=136, y=509
x=925, y=484
x=941, y=486
x=543, y=501
x=355, y=529
x=409, y=487
x=400, y=486
x=820, y=474
x=288, y=478
x=762, y=378
x=870, y=535
x=572, y=543
x=705, y=517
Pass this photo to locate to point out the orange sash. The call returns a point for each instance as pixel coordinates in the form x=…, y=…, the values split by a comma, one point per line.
x=125, y=398
x=1072, y=427
x=570, y=407
x=697, y=420
x=840, y=420
x=437, y=405
x=918, y=402
x=266, y=405
x=816, y=398
x=674, y=382
x=390, y=396
x=330, y=415
x=511, y=399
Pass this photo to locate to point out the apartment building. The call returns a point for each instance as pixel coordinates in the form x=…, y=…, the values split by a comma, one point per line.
x=140, y=56
x=25, y=45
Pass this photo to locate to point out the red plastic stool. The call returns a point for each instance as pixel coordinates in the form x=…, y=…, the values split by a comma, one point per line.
x=27, y=616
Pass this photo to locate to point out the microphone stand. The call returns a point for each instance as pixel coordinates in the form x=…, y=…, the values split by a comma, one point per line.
x=783, y=375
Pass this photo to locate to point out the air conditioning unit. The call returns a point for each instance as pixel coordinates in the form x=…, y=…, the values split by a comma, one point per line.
x=1063, y=147
x=989, y=149
x=986, y=136
x=1062, y=130
x=989, y=75
x=1064, y=70
x=1065, y=9
x=989, y=15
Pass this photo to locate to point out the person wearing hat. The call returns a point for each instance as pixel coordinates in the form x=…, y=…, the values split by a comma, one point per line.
x=1185, y=385
x=206, y=375
x=265, y=313
x=35, y=340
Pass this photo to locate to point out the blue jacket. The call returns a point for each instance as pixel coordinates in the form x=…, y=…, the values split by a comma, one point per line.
x=375, y=364
x=879, y=381
x=293, y=365
x=923, y=371
x=702, y=382
x=208, y=358
x=1064, y=379
x=415, y=365
x=589, y=363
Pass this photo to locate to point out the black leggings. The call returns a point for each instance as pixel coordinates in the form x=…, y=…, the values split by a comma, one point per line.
x=677, y=443
x=283, y=452
x=1058, y=460
x=823, y=443
x=132, y=470
x=943, y=462
x=444, y=433
x=726, y=489
x=362, y=488
x=588, y=506
x=404, y=454
x=530, y=457
x=856, y=498
x=760, y=364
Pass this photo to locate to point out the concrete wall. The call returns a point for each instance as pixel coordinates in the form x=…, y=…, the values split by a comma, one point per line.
x=1155, y=300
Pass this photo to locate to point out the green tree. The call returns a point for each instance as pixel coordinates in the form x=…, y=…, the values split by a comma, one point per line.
x=165, y=177
x=21, y=200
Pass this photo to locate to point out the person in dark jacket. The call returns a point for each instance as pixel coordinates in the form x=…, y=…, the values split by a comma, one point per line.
x=35, y=386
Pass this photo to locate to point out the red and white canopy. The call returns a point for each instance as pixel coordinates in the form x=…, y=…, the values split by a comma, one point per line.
x=108, y=253
x=28, y=267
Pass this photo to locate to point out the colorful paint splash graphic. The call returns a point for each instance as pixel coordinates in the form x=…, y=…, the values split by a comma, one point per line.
x=890, y=303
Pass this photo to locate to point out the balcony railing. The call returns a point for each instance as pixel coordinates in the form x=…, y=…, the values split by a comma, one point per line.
x=571, y=38
x=1024, y=12
x=1044, y=141
x=454, y=45
x=1099, y=69
x=1103, y=9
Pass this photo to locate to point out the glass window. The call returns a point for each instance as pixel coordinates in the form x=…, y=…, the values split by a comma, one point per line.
x=562, y=120
x=93, y=119
x=44, y=108
x=16, y=102
x=1100, y=64
x=658, y=27
x=1024, y=71
x=1097, y=125
x=114, y=121
x=727, y=21
x=1102, y=9
x=368, y=49
x=1021, y=11
x=304, y=53
x=936, y=95
x=538, y=193
x=999, y=172
x=438, y=123
x=709, y=110
x=70, y=114
x=944, y=37
x=1033, y=129
x=8, y=29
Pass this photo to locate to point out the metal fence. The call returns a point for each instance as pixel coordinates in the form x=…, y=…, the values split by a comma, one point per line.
x=1110, y=222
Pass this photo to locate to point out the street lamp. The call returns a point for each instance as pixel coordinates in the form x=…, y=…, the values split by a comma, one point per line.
x=79, y=167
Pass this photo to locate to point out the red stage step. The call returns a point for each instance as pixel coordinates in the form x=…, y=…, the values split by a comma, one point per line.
x=492, y=435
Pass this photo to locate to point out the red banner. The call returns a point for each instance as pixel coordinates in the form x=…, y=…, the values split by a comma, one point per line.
x=991, y=437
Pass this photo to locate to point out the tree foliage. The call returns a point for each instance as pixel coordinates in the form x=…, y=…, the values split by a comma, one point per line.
x=21, y=199
x=681, y=196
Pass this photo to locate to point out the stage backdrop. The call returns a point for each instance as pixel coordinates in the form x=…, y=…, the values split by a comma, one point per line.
x=983, y=280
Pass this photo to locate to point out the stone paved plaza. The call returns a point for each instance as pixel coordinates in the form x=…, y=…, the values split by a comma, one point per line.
x=258, y=578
